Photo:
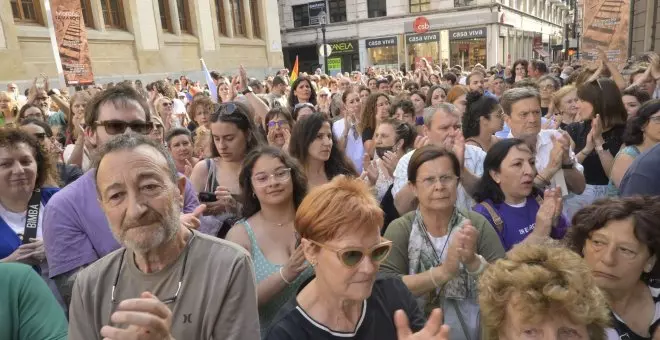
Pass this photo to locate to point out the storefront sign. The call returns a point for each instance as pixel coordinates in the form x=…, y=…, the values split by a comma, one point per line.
x=380, y=42
x=344, y=47
x=334, y=66
x=468, y=33
x=421, y=25
x=423, y=38
x=71, y=39
x=314, y=9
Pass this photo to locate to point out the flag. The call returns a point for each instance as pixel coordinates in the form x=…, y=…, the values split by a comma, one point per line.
x=213, y=90
x=294, y=72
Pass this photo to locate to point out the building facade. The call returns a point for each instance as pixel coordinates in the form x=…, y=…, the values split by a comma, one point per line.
x=645, y=27
x=147, y=39
x=382, y=33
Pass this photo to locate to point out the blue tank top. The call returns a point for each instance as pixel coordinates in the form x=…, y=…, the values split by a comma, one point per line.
x=264, y=269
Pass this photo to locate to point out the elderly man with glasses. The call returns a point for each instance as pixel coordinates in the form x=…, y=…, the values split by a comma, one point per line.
x=167, y=281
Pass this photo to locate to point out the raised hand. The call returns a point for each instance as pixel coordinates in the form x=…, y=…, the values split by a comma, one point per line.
x=556, y=154
x=287, y=139
x=147, y=319
x=389, y=161
x=370, y=169
x=466, y=241
x=597, y=129
x=295, y=265
x=459, y=148
x=187, y=169
x=548, y=212
x=421, y=141
x=192, y=220
x=433, y=330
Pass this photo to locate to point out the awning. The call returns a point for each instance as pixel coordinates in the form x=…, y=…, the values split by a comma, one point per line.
x=542, y=53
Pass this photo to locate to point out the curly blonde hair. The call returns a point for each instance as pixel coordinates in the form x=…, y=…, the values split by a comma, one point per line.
x=543, y=280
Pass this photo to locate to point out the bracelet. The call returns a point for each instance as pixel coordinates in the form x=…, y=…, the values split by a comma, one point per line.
x=481, y=268
x=282, y=276
x=435, y=284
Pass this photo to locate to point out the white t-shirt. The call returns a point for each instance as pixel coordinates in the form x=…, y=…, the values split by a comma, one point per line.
x=178, y=106
x=354, y=147
x=16, y=221
x=66, y=154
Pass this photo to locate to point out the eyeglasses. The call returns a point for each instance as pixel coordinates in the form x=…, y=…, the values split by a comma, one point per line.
x=598, y=244
x=351, y=257
x=547, y=87
x=655, y=119
x=167, y=104
x=278, y=123
x=301, y=105
x=116, y=127
x=444, y=180
x=165, y=301
x=262, y=179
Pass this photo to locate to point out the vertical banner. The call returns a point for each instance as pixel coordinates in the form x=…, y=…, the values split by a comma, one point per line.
x=606, y=28
x=71, y=40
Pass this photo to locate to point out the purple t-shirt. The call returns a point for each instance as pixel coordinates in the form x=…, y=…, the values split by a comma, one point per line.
x=519, y=222
x=75, y=229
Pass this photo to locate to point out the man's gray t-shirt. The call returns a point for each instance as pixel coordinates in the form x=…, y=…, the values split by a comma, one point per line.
x=642, y=177
x=217, y=298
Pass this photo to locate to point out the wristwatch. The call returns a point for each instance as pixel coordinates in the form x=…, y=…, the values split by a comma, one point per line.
x=247, y=90
x=568, y=166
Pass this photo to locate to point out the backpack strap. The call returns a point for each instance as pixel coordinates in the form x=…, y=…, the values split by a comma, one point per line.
x=499, y=224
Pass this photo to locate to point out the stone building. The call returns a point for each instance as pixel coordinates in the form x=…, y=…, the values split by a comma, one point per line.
x=147, y=39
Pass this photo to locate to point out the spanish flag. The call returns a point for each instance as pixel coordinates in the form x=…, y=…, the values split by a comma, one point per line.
x=294, y=72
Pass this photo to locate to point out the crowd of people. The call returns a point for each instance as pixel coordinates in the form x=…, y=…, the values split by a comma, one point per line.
x=516, y=202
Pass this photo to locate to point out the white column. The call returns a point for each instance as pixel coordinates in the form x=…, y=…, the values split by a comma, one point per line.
x=174, y=17
x=247, y=19
x=204, y=24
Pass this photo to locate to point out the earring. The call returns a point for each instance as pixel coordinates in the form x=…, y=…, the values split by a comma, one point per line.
x=254, y=195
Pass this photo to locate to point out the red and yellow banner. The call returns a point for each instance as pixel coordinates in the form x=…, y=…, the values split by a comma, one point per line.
x=71, y=37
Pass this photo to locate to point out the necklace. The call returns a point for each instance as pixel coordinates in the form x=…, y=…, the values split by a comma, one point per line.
x=280, y=225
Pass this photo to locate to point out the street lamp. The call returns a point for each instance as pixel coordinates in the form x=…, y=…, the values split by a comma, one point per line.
x=325, y=46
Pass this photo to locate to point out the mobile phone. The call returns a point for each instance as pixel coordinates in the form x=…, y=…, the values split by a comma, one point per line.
x=206, y=197
x=419, y=120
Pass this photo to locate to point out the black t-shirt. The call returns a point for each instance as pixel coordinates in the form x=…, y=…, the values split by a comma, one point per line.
x=593, y=168
x=625, y=333
x=376, y=322
x=367, y=134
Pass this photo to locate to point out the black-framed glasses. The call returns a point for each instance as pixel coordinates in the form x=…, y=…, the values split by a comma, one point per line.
x=172, y=299
x=278, y=123
x=116, y=127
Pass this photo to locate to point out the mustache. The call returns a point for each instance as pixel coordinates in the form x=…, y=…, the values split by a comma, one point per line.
x=150, y=216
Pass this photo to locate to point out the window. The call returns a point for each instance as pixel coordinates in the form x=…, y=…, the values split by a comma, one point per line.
x=87, y=13
x=184, y=16
x=164, y=9
x=300, y=16
x=25, y=10
x=113, y=14
x=220, y=16
x=376, y=8
x=420, y=6
x=254, y=12
x=338, y=10
x=237, y=15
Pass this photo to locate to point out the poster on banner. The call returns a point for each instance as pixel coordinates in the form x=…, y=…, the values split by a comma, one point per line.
x=72, y=45
x=334, y=66
x=606, y=27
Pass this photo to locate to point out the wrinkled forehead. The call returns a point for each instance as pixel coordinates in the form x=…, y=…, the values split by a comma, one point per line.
x=125, y=166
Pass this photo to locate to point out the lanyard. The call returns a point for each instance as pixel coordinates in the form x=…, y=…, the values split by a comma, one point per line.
x=32, y=216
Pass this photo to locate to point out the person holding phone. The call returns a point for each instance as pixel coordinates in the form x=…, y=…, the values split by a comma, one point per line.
x=24, y=168
x=273, y=185
x=233, y=135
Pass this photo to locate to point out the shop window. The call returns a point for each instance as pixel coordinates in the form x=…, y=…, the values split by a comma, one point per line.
x=25, y=11
x=237, y=16
x=417, y=6
x=184, y=16
x=164, y=10
x=87, y=13
x=376, y=8
x=254, y=13
x=113, y=14
x=300, y=16
x=220, y=16
x=462, y=3
x=468, y=52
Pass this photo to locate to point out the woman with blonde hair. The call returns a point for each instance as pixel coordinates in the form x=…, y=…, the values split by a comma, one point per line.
x=8, y=109
x=542, y=291
x=564, y=106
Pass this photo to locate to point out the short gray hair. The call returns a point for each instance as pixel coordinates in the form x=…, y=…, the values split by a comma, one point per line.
x=430, y=112
x=131, y=141
x=512, y=96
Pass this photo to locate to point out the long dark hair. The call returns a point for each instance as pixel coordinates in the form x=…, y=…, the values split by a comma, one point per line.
x=293, y=100
x=242, y=118
x=251, y=204
x=633, y=134
x=478, y=105
x=305, y=132
x=487, y=188
x=605, y=97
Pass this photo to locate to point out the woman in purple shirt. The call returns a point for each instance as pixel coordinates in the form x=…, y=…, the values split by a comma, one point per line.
x=510, y=202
